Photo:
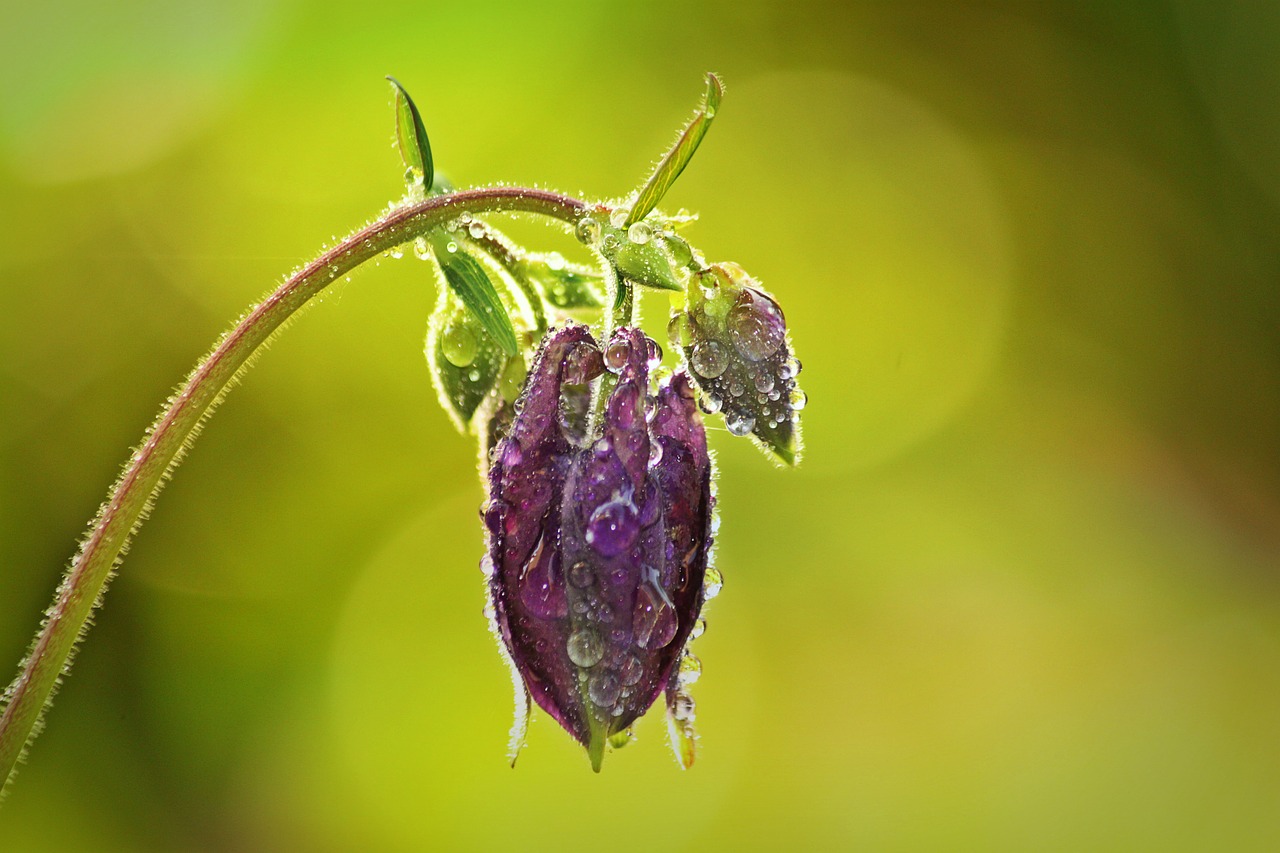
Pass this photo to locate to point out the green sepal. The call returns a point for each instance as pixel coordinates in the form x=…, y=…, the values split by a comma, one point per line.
x=466, y=363
x=468, y=279
x=644, y=263
x=674, y=161
x=411, y=137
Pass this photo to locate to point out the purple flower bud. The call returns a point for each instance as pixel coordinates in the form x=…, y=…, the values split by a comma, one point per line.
x=598, y=537
x=734, y=337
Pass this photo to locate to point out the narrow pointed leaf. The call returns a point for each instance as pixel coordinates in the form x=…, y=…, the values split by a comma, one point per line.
x=411, y=135
x=674, y=161
x=467, y=278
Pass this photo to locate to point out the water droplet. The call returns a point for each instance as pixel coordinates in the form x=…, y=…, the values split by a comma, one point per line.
x=458, y=345
x=654, y=352
x=639, y=232
x=632, y=670
x=585, y=648
x=512, y=455
x=680, y=329
x=699, y=628
x=613, y=527
x=588, y=231
x=476, y=229
x=541, y=588
x=616, y=355
x=603, y=688
x=580, y=574
x=712, y=583
x=451, y=247
x=756, y=326
x=654, y=619
x=619, y=216
x=739, y=423
x=486, y=566
x=474, y=375
x=736, y=388
x=764, y=382
x=683, y=707
x=799, y=399
x=709, y=359
x=711, y=404
x=397, y=252
x=555, y=261
x=610, y=242
x=690, y=669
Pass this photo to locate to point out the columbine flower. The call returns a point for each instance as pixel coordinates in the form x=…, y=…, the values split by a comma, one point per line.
x=599, y=538
x=734, y=337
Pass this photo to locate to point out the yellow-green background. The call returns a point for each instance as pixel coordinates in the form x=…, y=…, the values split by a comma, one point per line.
x=1022, y=595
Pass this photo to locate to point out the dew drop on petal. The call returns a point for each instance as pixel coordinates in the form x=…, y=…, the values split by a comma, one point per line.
x=709, y=359
x=654, y=620
x=756, y=326
x=799, y=399
x=632, y=670
x=603, y=688
x=616, y=354
x=613, y=527
x=585, y=648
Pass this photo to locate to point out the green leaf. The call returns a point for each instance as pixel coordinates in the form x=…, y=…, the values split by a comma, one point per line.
x=674, y=161
x=565, y=286
x=467, y=278
x=411, y=136
x=466, y=364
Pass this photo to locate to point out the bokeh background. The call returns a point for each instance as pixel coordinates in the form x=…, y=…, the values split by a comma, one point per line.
x=1023, y=594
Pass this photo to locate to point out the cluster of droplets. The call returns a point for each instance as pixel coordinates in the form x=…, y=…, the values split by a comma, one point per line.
x=734, y=337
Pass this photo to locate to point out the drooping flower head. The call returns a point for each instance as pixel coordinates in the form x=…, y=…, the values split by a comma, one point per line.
x=599, y=539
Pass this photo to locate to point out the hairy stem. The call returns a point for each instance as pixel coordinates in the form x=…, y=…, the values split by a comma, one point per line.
x=164, y=444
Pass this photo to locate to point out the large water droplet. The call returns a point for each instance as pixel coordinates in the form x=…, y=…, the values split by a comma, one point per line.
x=476, y=229
x=459, y=346
x=680, y=329
x=799, y=399
x=613, y=527
x=585, y=648
x=603, y=688
x=588, y=231
x=740, y=423
x=756, y=326
x=616, y=355
x=640, y=232
x=709, y=359
x=683, y=707
x=654, y=620
x=619, y=216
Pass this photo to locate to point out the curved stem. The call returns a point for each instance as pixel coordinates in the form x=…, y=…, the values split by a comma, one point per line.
x=131, y=498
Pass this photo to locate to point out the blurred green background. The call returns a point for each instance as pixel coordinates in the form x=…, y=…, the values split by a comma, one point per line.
x=1023, y=594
